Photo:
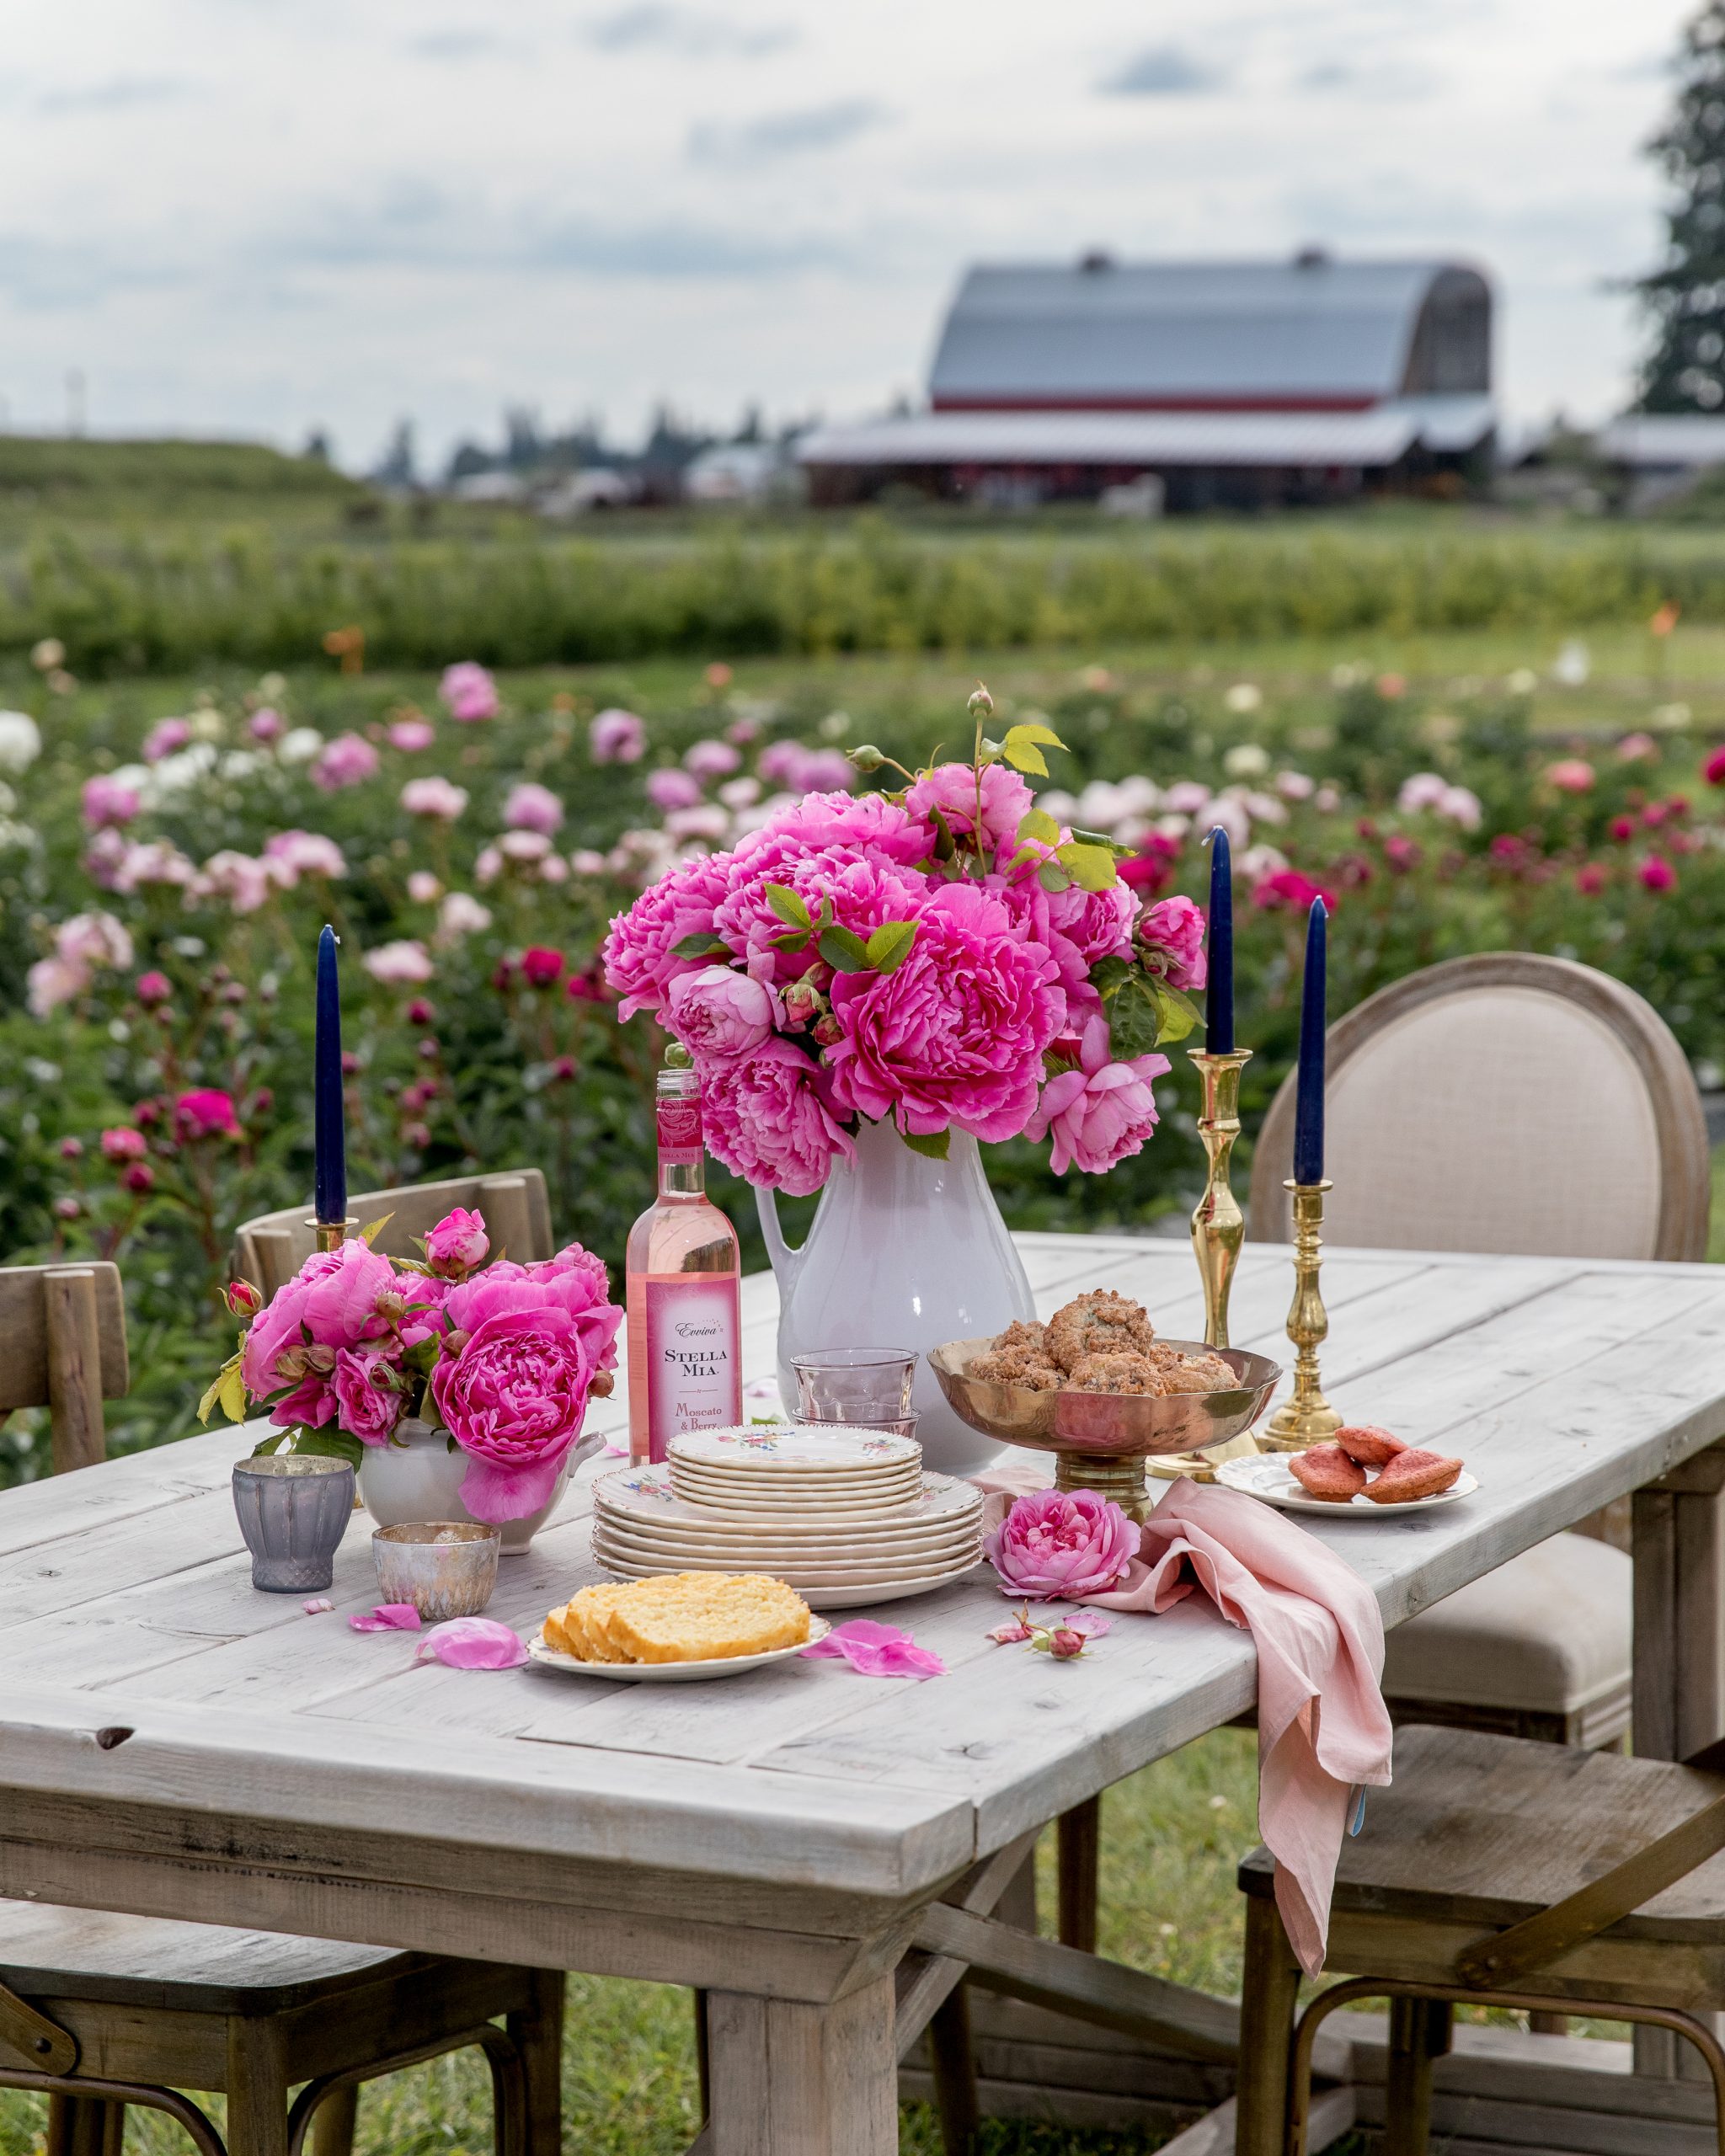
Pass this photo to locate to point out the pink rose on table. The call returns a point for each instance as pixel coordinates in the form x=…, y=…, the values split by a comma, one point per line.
x=952, y=788
x=955, y=1034
x=721, y=1014
x=1060, y=1543
x=766, y=1117
x=1170, y=934
x=513, y=1395
x=370, y=1404
x=457, y=1243
x=1101, y=1112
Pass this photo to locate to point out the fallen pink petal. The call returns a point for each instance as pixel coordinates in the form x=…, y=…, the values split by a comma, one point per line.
x=472, y=1643
x=316, y=1605
x=1092, y=1622
x=388, y=1617
x=875, y=1650
x=1016, y=1627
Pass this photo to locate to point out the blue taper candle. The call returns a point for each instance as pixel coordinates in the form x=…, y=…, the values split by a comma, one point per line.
x=1219, y=995
x=329, y=1141
x=1308, y=1098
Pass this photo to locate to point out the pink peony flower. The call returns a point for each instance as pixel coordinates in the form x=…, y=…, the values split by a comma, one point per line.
x=952, y=788
x=245, y=883
x=164, y=738
x=1713, y=770
x=616, y=737
x=765, y=1117
x=1101, y=1113
x=1288, y=891
x=205, y=1113
x=1096, y=924
x=719, y=1014
x=51, y=982
x=1656, y=874
x=108, y=802
x=411, y=734
x=468, y=691
x=956, y=1034
x=330, y=1303
x=1571, y=776
x=368, y=1403
x=123, y=1143
x=1170, y=934
x=349, y=760
x=514, y=1395
x=424, y=888
x=1057, y=1543
x=867, y=823
x=1424, y=790
x=461, y=914
x=1151, y=867
x=1590, y=879
x=533, y=808
x=671, y=788
x=640, y=951
x=542, y=967
x=305, y=853
x=93, y=939
x=403, y=963
x=457, y=1244
x=266, y=724
x=705, y=760
x=435, y=795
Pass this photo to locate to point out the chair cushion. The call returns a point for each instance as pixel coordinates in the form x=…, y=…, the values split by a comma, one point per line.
x=1487, y=1830
x=1549, y=1632
x=51, y=1952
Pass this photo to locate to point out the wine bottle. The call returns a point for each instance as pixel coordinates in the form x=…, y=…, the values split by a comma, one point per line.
x=684, y=1268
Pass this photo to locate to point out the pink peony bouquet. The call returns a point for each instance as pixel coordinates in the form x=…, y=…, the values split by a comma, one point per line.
x=503, y=1356
x=948, y=957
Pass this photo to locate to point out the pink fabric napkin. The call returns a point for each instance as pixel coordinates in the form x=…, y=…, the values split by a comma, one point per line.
x=1322, y=1727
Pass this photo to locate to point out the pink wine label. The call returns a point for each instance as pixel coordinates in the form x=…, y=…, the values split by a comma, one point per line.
x=694, y=1373
x=679, y=1132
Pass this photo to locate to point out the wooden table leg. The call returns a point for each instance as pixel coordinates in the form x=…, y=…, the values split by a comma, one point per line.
x=1679, y=1691
x=955, y=2073
x=256, y=2086
x=795, y=2079
x=1266, y=2030
x=1078, y=1839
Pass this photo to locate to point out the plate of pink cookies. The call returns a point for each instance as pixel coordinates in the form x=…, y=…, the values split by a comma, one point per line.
x=1365, y=1471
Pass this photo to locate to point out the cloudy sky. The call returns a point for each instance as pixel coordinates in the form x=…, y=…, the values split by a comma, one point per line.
x=253, y=216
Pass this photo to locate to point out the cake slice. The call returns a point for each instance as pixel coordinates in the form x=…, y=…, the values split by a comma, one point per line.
x=707, y=1617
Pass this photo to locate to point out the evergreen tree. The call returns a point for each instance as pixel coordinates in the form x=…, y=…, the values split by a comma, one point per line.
x=1685, y=371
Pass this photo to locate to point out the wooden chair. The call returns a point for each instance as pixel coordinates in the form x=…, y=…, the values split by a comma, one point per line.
x=1497, y=1872
x=1460, y=1102
x=98, y=2011
x=273, y=1247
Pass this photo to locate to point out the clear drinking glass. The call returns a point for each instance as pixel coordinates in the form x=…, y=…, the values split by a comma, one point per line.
x=867, y=1388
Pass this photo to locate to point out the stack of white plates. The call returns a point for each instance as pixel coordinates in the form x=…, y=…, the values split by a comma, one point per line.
x=840, y=1543
x=795, y=1470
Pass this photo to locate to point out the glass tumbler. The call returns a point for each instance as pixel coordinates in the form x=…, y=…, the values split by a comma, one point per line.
x=866, y=1388
x=293, y=1508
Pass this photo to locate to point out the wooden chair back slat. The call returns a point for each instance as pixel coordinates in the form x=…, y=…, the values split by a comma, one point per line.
x=62, y=1346
x=1460, y=1099
x=271, y=1249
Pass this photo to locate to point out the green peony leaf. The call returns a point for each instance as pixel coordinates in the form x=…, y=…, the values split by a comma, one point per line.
x=1053, y=877
x=787, y=905
x=932, y=1144
x=843, y=951
x=890, y=946
x=1038, y=824
x=1134, y=1018
x=1091, y=868
x=945, y=845
x=1023, y=746
x=329, y=1444
x=700, y=946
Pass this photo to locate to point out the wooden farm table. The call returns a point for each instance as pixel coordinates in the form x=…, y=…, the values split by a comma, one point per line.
x=173, y=1743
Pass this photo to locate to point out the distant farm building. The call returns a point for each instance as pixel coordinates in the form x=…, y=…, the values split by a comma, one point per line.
x=1230, y=385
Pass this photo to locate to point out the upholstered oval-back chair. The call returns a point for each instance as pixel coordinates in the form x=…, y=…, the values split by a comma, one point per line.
x=1514, y=1103
x=273, y=1247
x=1506, y=1102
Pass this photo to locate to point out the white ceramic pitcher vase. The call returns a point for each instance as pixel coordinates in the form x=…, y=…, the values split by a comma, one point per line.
x=903, y=1252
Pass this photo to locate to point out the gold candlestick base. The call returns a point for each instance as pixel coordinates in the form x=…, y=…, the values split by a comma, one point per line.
x=331, y=1235
x=1305, y=1417
x=1218, y=1230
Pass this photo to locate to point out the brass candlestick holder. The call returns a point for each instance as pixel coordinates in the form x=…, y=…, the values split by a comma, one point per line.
x=1305, y=1417
x=1218, y=1230
x=331, y=1235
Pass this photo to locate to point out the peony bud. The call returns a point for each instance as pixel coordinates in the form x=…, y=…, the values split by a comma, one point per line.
x=868, y=758
x=603, y=1385
x=1065, y=1645
x=319, y=1360
x=243, y=1299
x=981, y=704
x=829, y=1032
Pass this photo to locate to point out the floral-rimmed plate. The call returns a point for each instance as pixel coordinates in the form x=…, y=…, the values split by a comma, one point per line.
x=795, y=1447
x=672, y=1672
x=646, y=1493
x=1267, y=1476
x=835, y=1574
x=859, y=1596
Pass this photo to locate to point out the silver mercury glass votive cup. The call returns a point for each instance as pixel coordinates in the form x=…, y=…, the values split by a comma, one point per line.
x=444, y=1567
x=293, y=1510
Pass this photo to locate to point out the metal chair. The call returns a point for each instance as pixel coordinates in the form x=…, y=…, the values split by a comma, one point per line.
x=271, y=1248
x=1495, y=1871
x=98, y=2011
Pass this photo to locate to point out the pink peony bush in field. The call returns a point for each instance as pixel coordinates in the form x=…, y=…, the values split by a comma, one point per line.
x=504, y=1357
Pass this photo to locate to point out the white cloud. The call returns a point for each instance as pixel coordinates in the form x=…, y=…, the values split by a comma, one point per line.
x=338, y=215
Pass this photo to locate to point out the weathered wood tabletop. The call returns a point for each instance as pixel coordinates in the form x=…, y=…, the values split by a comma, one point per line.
x=173, y=1743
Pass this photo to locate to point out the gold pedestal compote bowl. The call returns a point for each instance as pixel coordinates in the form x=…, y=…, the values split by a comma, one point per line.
x=1101, y=1440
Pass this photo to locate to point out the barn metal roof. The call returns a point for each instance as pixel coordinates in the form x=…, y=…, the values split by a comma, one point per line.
x=1302, y=439
x=1312, y=331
